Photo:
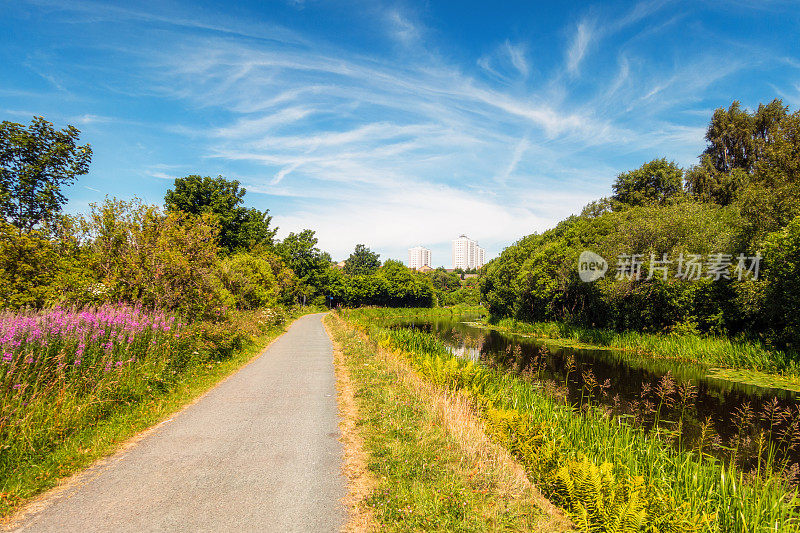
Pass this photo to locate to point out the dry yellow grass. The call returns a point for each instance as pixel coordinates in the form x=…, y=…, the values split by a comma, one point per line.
x=360, y=481
x=455, y=413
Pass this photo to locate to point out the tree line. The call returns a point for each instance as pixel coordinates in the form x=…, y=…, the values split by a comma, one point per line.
x=741, y=199
x=200, y=253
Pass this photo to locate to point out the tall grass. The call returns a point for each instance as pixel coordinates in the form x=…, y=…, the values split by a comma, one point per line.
x=708, y=350
x=589, y=461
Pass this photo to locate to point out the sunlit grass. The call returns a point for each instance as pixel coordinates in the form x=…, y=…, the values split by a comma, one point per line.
x=707, y=350
x=547, y=435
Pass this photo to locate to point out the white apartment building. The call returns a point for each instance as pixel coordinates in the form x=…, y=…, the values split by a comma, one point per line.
x=467, y=253
x=419, y=257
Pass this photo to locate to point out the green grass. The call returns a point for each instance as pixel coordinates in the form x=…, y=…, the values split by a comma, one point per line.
x=424, y=482
x=681, y=489
x=739, y=361
x=712, y=351
x=26, y=476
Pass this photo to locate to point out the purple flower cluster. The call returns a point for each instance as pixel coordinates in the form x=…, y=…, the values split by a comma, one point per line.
x=72, y=346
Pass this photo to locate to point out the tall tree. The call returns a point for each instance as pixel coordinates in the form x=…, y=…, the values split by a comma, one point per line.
x=35, y=162
x=362, y=262
x=652, y=183
x=739, y=143
x=309, y=263
x=240, y=227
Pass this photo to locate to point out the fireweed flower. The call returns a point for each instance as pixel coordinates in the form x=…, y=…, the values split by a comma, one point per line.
x=7, y=357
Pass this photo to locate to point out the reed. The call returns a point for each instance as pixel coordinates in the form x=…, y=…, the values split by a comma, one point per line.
x=706, y=350
x=679, y=490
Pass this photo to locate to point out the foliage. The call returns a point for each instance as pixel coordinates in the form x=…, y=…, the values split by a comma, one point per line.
x=782, y=267
x=392, y=285
x=35, y=162
x=311, y=265
x=28, y=262
x=442, y=280
x=740, y=197
x=537, y=278
x=652, y=183
x=165, y=261
x=361, y=262
x=250, y=280
x=239, y=227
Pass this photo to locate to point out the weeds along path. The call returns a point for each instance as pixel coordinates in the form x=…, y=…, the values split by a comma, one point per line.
x=259, y=452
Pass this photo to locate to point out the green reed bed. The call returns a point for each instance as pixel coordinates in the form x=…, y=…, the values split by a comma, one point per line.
x=607, y=474
x=708, y=350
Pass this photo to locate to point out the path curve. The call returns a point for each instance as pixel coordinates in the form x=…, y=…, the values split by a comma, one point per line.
x=260, y=452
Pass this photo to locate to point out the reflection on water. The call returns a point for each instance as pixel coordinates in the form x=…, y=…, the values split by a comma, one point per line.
x=716, y=417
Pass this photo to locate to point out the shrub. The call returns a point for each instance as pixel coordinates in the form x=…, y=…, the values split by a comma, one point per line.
x=250, y=280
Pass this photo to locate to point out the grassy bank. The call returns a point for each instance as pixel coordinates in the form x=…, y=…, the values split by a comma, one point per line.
x=428, y=464
x=86, y=414
x=607, y=474
x=755, y=363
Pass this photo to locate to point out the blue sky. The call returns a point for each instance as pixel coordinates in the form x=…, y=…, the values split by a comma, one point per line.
x=391, y=124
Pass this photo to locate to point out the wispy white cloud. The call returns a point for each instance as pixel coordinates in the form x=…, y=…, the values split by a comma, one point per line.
x=403, y=29
x=577, y=50
x=516, y=54
x=516, y=156
x=410, y=144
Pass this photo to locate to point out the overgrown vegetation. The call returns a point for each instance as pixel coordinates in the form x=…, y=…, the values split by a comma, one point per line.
x=742, y=199
x=709, y=351
x=75, y=385
x=107, y=312
x=607, y=474
x=424, y=479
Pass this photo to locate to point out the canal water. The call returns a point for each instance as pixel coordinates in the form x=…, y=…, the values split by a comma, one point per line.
x=712, y=416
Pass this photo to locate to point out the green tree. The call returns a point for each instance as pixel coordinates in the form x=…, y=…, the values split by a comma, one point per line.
x=771, y=197
x=166, y=261
x=362, y=261
x=240, y=227
x=35, y=162
x=739, y=143
x=445, y=281
x=28, y=268
x=250, y=280
x=652, y=183
x=782, y=270
x=309, y=263
x=708, y=184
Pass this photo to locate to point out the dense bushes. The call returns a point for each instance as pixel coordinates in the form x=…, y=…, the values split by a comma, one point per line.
x=250, y=278
x=742, y=199
x=392, y=285
x=131, y=252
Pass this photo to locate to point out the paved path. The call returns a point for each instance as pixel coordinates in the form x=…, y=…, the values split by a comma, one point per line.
x=257, y=453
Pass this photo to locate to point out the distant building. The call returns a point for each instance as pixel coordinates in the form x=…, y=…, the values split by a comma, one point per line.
x=467, y=253
x=419, y=257
x=425, y=268
x=340, y=264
